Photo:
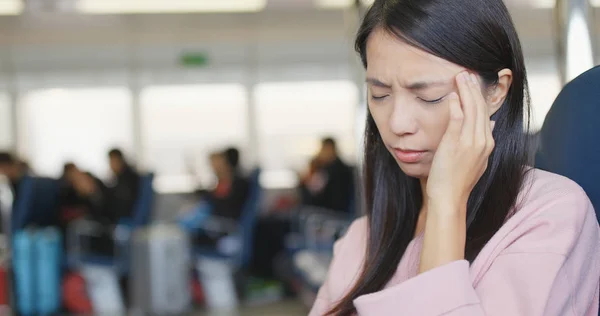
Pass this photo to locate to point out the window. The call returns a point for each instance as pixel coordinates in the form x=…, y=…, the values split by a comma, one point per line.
x=292, y=117
x=6, y=123
x=544, y=87
x=182, y=124
x=78, y=125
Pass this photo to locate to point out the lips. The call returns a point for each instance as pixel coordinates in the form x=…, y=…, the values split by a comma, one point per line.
x=409, y=156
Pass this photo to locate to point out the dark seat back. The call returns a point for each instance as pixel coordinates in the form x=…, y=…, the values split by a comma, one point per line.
x=569, y=142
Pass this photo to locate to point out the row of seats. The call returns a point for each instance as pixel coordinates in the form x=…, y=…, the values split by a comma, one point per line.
x=38, y=199
x=38, y=203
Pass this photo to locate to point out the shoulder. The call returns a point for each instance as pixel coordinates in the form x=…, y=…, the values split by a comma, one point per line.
x=553, y=214
x=553, y=197
x=356, y=235
x=539, y=186
x=349, y=254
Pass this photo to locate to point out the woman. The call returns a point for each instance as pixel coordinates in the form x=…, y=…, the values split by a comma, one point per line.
x=457, y=224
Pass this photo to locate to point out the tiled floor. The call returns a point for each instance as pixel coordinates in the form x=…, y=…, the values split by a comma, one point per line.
x=286, y=308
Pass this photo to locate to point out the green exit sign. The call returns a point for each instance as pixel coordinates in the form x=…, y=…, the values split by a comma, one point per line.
x=193, y=59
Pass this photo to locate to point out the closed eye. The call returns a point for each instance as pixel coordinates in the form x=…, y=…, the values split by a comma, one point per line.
x=374, y=97
x=436, y=101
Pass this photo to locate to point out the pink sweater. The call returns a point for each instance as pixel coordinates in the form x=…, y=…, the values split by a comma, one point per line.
x=545, y=260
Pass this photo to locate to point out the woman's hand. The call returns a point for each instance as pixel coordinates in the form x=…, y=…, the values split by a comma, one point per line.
x=459, y=162
x=462, y=155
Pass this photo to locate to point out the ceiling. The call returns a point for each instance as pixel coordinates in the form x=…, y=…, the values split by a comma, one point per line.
x=281, y=34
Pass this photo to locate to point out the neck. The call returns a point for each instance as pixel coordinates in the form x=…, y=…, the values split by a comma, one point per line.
x=424, y=194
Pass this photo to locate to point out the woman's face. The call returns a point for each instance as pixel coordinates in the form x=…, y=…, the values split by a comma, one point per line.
x=219, y=164
x=407, y=90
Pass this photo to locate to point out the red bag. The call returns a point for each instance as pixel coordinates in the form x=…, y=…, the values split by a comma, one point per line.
x=69, y=214
x=197, y=293
x=3, y=287
x=75, y=295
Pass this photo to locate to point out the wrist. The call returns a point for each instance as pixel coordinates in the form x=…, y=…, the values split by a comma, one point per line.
x=446, y=207
x=444, y=237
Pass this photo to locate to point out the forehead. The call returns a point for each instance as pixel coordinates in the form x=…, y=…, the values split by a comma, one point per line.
x=217, y=157
x=389, y=58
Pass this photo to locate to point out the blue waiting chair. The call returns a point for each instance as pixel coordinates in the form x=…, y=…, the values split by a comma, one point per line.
x=568, y=143
x=242, y=231
x=310, y=248
x=37, y=203
x=23, y=205
x=142, y=210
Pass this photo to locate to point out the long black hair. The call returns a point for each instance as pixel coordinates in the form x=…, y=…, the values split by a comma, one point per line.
x=480, y=36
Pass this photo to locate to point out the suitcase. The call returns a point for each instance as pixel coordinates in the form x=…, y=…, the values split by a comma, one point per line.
x=36, y=261
x=48, y=255
x=103, y=288
x=216, y=276
x=160, y=279
x=23, y=265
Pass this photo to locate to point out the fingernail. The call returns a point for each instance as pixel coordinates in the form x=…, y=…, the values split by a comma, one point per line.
x=493, y=124
x=453, y=95
x=462, y=77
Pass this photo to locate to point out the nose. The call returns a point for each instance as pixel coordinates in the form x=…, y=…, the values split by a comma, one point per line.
x=402, y=121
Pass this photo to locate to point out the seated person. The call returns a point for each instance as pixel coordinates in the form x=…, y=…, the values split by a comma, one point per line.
x=329, y=185
x=71, y=203
x=226, y=200
x=124, y=187
x=93, y=201
x=83, y=194
x=230, y=194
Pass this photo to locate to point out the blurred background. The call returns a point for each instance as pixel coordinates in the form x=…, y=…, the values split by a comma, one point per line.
x=196, y=150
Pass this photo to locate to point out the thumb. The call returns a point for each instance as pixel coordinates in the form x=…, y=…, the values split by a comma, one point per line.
x=456, y=116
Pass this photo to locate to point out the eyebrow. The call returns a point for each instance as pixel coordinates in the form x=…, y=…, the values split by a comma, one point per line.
x=419, y=85
x=378, y=83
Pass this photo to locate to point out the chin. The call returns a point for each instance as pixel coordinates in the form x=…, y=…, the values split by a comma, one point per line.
x=416, y=170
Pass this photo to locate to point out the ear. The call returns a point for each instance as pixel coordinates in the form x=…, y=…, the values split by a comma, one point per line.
x=498, y=93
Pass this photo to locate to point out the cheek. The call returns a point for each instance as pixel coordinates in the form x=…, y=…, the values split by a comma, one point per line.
x=436, y=124
x=381, y=118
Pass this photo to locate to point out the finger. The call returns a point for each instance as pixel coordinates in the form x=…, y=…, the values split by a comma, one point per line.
x=468, y=106
x=482, y=121
x=455, y=124
x=484, y=126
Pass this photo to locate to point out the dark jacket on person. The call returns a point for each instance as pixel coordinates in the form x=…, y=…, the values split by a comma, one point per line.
x=123, y=195
x=338, y=192
x=231, y=204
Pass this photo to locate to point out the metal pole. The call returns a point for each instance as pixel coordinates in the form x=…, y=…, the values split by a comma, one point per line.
x=13, y=94
x=252, y=154
x=135, y=90
x=574, y=38
x=352, y=19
